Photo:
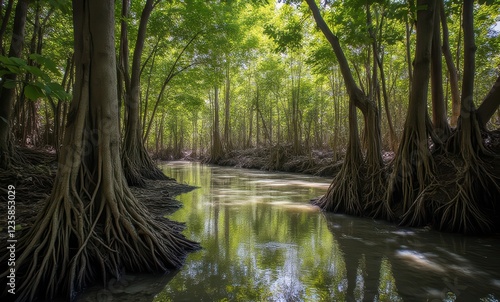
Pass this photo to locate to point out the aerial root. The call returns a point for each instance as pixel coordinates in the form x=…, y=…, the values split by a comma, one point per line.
x=121, y=236
x=470, y=208
x=374, y=193
x=343, y=194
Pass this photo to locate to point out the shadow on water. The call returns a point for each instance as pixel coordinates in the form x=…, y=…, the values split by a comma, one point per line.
x=389, y=263
x=262, y=241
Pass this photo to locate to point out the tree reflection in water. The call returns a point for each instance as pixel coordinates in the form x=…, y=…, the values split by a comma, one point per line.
x=263, y=242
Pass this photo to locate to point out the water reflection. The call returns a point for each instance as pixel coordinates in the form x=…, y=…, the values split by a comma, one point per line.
x=415, y=264
x=262, y=241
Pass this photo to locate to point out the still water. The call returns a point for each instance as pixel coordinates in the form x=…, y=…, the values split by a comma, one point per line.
x=263, y=241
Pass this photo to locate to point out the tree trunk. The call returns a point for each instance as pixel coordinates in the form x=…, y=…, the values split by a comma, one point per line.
x=227, y=110
x=5, y=22
x=413, y=165
x=347, y=184
x=217, y=151
x=6, y=94
x=409, y=28
x=439, y=116
x=137, y=163
x=92, y=226
x=452, y=70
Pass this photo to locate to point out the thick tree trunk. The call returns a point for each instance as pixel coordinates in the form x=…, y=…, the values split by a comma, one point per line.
x=92, y=226
x=344, y=193
x=413, y=164
x=7, y=95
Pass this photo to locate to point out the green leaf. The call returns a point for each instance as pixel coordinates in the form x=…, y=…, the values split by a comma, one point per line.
x=56, y=90
x=37, y=72
x=6, y=60
x=45, y=62
x=18, y=61
x=14, y=69
x=9, y=84
x=33, y=92
x=4, y=72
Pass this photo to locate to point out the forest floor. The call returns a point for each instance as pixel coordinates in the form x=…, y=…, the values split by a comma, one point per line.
x=33, y=184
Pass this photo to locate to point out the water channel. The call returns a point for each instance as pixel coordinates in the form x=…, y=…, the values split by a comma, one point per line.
x=263, y=241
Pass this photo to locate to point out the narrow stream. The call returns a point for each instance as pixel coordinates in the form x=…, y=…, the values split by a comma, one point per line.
x=262, y=241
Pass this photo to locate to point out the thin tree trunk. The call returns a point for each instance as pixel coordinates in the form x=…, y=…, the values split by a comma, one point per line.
x=439, y=116
x=342, y=196
x=379, y=62
x=452, y=70
x=5, y=22
x=217, y=150
x=137, y=163
x=409, y=27
x=227, y=110
x=6, y=94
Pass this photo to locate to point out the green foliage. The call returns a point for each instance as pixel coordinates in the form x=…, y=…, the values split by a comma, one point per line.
x=38, y=88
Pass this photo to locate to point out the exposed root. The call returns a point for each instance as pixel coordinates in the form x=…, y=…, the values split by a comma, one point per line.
x=413, y=171
x=422, y=210
x=476, y=185
x=475, y=192
x=138, y=165
x=462, y=213
x=344, y=195
x=114, y=235
x=374, y=189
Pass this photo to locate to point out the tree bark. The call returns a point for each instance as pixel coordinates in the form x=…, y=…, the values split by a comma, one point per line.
x=5, y=21
x=227, y=110
x=137, y=163
x=7, y=95
x=344, y=192
x=413, y=164
x=452, y=70
x=439, y=116
x=217, y=151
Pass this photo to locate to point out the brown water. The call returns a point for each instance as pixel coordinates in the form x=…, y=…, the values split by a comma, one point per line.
x=262, y=241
